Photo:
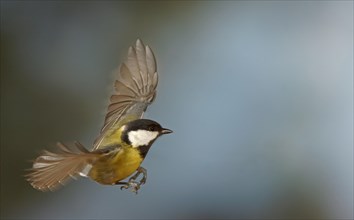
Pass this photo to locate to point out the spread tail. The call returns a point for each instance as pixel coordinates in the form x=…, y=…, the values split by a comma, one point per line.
x=51, y=170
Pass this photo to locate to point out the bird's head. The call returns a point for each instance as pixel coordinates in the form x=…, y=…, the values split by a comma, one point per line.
x=142, y=132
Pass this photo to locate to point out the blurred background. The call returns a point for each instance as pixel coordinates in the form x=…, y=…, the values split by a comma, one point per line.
x=259, y=95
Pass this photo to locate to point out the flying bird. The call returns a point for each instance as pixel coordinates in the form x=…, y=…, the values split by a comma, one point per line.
x=125, y=137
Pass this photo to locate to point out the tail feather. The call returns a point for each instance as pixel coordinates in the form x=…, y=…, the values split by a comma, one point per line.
x=51, y=170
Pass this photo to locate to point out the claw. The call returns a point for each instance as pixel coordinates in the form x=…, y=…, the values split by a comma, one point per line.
x=135, y=187
x=124, y=187
x=131, y=184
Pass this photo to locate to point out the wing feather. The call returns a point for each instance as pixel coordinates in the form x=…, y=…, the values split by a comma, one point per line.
x=135, y=89
x=150, y=60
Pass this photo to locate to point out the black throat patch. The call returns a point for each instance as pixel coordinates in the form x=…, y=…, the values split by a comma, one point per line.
x=144, y=150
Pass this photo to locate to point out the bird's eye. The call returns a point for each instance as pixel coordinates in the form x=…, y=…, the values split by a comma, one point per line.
x=151, y=128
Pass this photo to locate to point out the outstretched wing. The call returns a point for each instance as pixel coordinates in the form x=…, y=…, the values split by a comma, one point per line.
x=51, y=170
x=135, y=89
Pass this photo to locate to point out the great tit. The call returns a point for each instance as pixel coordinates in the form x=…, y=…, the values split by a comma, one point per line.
x=124, y=140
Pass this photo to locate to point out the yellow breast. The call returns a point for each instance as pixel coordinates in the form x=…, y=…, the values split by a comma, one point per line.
x=116, y=167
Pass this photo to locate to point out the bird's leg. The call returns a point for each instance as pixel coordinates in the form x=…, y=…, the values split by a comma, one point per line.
x=140, y=170
x=132, y=183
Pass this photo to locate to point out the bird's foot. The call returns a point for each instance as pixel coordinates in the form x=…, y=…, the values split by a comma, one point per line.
x=135, y=186
x=139, y=171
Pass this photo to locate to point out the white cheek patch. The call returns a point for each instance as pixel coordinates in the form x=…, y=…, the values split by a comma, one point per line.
x=142, y=137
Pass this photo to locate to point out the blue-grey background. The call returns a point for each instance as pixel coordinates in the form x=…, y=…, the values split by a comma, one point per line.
x=259, y=94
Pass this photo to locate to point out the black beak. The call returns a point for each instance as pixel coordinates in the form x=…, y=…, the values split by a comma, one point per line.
x=166, y=131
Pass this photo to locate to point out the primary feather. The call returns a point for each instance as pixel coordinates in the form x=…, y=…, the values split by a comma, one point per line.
x=135, y=89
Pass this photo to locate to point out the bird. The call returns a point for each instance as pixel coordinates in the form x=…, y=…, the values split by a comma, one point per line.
x=124, y=140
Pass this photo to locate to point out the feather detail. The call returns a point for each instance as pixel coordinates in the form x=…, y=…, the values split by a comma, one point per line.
x=135, y=89
x=51, y=170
